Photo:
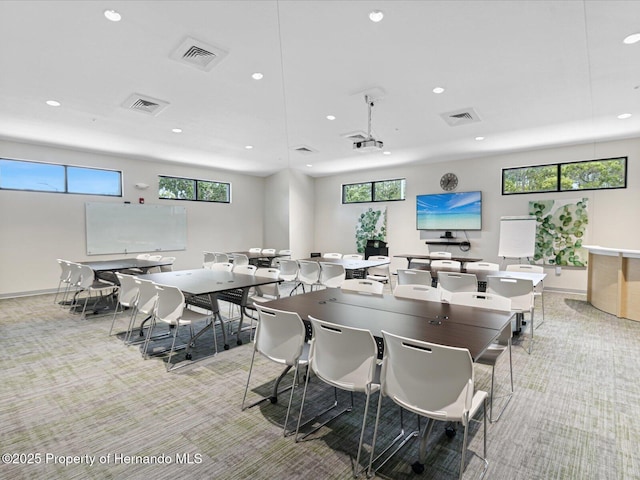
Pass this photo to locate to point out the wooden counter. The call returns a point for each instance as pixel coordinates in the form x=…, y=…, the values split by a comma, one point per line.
x=614, y=281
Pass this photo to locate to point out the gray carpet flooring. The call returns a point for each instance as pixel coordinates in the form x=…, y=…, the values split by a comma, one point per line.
x=71, y=395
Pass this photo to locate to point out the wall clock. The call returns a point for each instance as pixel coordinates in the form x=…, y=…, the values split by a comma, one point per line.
x=449, y=181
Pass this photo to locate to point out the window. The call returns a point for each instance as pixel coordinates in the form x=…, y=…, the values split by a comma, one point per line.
x=381, y=191
x=562, y=177
x=177, y=188
x=49, y=177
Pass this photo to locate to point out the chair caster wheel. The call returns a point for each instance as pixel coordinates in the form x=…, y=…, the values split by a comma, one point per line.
x=417, y=467
x=188, y=356
x=273, y=400
x=239, y=342
x=226, y=346
x=450, y=432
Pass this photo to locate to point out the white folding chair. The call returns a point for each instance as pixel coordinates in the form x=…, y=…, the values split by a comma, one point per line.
x=491, y=356
x=89, y=285
x=171, y=310
x=222, y=267
x=168, y=267
x=332, y=255
x=450, y=265
x=351, y=256
x=309, y=274
x=280, y=337
x=449, y=282
x=433, y=381
x=538, y=290
x=332, y=275
x=127, y=295
x=417, y=292
x=368, y=287
x=520, y=291
x=345, y=358
x=255, y=250
x=414, y=277
x=240, y=259
x=440, y=255
x=289, y=272
x=209, y=259
x=65, y=276
x=379, y=273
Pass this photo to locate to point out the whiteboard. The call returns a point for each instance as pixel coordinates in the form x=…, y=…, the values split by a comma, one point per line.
x=517, y=237
x=134, y=228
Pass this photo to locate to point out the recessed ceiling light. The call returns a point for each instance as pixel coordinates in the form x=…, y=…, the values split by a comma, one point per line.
x=386, y=152
x=331, y=117
x=248, y=147
x=438, y=90
x=257, y=76
x=309, y=165
x=479, y=138
x=53, y=103
x=176, y=130
x=624, y=116
x=376, y=16
x=631, y=39
x=112, y=15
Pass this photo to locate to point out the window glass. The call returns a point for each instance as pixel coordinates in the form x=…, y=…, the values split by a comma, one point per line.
x=380, y=191
x=597, y=174
x=542, y=178
x=213, y=191
x=389, y=190
x=177, y=188
x=357, y=192
x=20, y=175
x=94, y=181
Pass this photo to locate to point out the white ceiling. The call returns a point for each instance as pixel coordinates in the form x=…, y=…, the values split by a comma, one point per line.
x=538, y=73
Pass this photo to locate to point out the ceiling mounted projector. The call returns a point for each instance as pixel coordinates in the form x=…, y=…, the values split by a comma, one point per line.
x=369, y=144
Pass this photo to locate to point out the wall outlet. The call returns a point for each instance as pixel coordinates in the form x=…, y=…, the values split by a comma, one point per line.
x=558, y=270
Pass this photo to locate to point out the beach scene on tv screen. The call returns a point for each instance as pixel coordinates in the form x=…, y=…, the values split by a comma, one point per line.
x=450, y=211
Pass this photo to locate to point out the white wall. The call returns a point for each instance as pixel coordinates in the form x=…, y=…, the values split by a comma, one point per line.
x=276, y=211
x=36, y=228
x=613, y=214
x=301, y=214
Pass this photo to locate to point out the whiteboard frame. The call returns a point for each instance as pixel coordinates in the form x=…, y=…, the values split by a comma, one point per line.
x=517, y=237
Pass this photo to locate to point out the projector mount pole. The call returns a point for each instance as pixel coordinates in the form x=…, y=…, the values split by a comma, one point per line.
x=370, y=105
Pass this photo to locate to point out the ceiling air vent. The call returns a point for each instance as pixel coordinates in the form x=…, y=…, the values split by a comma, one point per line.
x=145, y=104
x=460, y=117
x=304, y=149
x=198, y=54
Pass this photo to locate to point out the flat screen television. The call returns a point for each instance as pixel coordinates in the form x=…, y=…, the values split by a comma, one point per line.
x=449, y=211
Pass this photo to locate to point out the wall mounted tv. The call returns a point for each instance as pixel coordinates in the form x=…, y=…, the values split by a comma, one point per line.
x=449, y=211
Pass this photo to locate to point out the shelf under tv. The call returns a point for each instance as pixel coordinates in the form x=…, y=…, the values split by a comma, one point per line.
x=452, y=241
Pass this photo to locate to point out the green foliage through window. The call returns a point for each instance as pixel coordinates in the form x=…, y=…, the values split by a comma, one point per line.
x=562, y=177
x=381, y=191
x=177, y=188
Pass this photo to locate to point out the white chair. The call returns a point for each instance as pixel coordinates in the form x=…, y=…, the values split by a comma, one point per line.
x=332, y=255
x=269, y=251
x=244, y=269
x=145, y=304
x=222, y=267
x=255, y=250
x=491, y=356
x=221, y=257
x=154, y=258
x=538, y=290
x=345, y=358
x=90, y=285
x=280, y=337
x=363, y=286
x=433, y=381
x=209, y=259
x=127, y=295
x=351, y=256
x=520, y=291
x=473, y=267
x=171, y=310
x=440, y=255
x=286, y=254
x=380, y=273
x=414, y=277
x=449, y=265
x=168, y=267
x=417, y=292
x=309, y=274
x=289, y=272
x=143, y=256
x=449, y=282
x=65, y=276
x=332, y=275
x=282, y=255
x=240, y=259
x=270, y=291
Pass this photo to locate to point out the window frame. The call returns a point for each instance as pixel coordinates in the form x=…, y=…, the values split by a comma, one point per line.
x=559, y=165
x=373, y=183
x=195, y=189
x=65, y=169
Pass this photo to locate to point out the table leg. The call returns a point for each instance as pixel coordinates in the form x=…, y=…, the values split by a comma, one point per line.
x=213, y=298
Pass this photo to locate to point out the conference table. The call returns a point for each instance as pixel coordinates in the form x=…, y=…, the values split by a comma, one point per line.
x=350, y=265
x=417, y=256
x=203, y=288
x=255, y=257
x=454, y=325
